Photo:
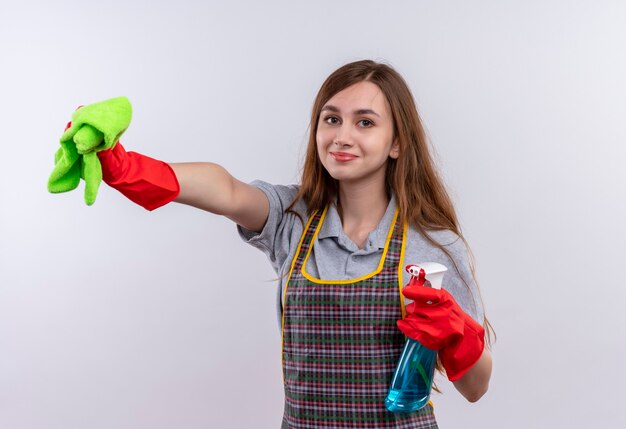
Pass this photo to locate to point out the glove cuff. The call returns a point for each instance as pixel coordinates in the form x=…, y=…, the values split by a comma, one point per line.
x=459, y=357
x=145, y=181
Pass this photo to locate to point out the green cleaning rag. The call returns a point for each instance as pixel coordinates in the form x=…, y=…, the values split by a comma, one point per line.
x=94, y=127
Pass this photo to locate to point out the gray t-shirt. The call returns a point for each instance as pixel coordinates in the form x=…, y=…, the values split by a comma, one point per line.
x=335, y=256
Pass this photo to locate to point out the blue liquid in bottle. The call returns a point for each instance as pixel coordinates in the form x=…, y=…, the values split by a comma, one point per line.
x=413, y=379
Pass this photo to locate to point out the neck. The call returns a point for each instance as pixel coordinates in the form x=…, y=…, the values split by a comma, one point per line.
x=362, y=204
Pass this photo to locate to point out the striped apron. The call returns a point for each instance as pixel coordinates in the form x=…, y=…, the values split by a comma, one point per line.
x=340, y=342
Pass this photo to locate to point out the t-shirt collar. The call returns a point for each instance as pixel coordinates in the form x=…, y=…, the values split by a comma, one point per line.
x=332, y=226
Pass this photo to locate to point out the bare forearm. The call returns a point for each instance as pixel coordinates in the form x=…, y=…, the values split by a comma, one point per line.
x=210, y=187
x=474, y=384
x=204, y=185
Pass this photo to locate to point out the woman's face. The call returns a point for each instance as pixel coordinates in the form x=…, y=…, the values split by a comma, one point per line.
x=355, y=134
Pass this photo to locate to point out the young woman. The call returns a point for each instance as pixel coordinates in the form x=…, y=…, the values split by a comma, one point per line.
x=370, y=201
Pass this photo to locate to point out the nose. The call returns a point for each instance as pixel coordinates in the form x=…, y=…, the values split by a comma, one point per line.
x=342, y=138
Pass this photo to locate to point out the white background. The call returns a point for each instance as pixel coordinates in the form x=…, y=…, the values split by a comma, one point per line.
x=114, y=317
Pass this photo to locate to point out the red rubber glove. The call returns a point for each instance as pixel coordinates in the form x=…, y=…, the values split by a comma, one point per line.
x=143, y=180
x=437, y=321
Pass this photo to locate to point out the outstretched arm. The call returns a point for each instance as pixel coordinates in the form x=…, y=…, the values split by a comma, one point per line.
x=210, y=187
x=152, y=183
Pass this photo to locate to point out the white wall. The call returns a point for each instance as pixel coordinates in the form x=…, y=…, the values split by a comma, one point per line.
x=113, y=317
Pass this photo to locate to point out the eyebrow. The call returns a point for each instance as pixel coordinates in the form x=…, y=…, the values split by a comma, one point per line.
x=358, y=112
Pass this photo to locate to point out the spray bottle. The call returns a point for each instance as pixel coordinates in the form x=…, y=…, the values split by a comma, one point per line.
x=413, y=378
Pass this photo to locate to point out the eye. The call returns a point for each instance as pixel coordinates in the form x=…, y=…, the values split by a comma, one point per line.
x=366, y=123
x=332, y=120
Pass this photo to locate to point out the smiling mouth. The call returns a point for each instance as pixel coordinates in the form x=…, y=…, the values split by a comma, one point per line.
x=342, y=156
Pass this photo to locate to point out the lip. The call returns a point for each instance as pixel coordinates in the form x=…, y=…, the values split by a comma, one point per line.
x=343, y=156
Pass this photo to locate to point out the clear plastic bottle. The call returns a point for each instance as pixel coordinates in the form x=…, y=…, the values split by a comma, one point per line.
x=413, y=379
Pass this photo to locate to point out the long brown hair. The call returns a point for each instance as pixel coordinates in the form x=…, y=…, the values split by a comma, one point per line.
x=420, y=194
